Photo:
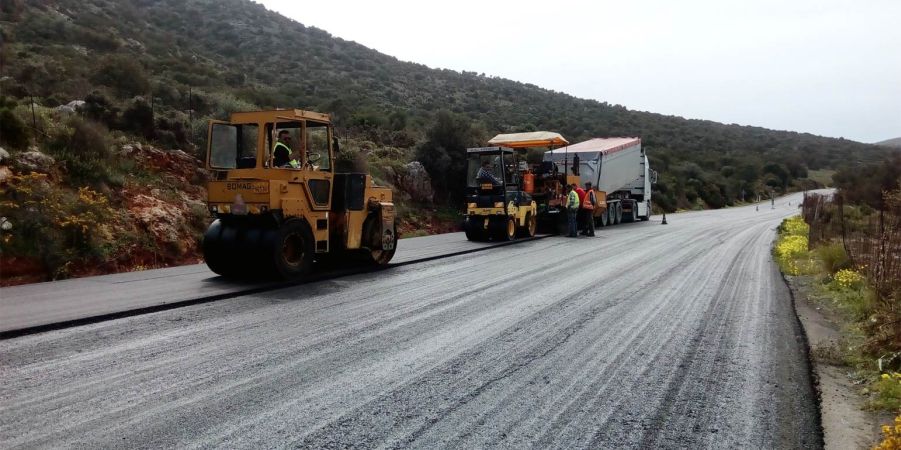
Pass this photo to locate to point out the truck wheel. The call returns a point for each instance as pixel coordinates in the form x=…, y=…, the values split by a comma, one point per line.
x=291, y=249
x=619, y=213
x=372, y=233
x=602, y=219
x=531, y=226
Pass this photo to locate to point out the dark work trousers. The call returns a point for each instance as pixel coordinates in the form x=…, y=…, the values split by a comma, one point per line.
x=571, y=220
x=587, y=221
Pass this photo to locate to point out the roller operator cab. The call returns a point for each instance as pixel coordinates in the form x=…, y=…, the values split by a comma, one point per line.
x=497, y=206
x=278, y=203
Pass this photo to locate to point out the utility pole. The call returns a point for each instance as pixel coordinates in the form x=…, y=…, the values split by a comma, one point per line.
x=34, y=120
x=191, y=113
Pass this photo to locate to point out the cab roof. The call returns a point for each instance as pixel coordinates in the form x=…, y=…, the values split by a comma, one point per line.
x=278, y=115
x=530, y=139
x=490, y=150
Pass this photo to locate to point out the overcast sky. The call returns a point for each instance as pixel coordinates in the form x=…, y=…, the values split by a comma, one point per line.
x=826, y=67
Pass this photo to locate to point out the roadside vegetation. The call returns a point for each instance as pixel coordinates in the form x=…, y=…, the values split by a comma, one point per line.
x=848, y=247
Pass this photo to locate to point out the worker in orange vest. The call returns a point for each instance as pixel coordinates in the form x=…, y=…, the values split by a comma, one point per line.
x=580, y=215
x=588, y=203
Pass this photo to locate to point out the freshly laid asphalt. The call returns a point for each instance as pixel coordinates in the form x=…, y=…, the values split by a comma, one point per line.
x=646, y=336
x=34, y=307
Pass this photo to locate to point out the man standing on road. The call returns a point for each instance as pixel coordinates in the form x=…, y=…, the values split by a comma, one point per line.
x=580, y=214
x=572, y=208
x=588, y=203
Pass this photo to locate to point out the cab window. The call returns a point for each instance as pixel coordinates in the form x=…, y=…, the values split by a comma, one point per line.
x=318, y=145
x=289, y=134
x=233, y=146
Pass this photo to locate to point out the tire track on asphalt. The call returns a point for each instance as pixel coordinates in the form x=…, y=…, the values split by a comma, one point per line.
x=529, y=355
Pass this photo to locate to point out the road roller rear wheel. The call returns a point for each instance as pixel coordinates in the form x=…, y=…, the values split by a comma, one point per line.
x=372, y=233
x=503, y=228
x=531, y=226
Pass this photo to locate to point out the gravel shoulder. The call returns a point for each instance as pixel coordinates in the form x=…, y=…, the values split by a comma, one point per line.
x=846, y=424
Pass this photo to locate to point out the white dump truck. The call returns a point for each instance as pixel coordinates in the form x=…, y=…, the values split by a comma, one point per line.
x=618, y=170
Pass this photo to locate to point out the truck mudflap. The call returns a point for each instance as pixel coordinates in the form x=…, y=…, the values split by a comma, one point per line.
x=387, y=215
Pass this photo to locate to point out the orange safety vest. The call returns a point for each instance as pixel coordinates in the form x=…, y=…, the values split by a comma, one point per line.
x=589, y=200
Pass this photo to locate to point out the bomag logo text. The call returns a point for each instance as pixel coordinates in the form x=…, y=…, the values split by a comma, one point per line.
x=257, y=188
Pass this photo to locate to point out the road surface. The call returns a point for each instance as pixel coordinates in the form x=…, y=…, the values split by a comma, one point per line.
x=35, y=307
x=646, y=336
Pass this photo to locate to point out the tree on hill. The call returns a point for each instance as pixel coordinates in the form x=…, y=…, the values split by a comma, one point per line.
x=443, y=154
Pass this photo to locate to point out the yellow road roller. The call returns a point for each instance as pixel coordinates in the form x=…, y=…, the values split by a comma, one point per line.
x=278, y=203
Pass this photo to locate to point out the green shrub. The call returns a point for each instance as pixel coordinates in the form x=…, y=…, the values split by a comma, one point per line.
x=349, y=160
x=13, y=132
x=123, y=74
x=888, y=394
x=98, y=107
x=833, y=257
x=138, y=118
x=56, y=225
x=858, y=301
x=84, y=148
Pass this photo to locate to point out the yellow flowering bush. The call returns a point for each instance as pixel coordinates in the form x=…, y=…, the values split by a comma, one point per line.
x=892, y=436
x=54, y=224
x=795, y=226
x=888, y=392
x=847, y=279
x=791, y=249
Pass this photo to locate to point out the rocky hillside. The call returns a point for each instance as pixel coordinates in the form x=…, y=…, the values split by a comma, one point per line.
x=104, y=106
x=151, y=217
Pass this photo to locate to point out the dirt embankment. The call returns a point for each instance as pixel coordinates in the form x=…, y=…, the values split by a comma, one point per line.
x=847, y=424
x=153, y=219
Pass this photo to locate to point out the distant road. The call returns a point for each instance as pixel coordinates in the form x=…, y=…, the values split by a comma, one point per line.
x=647, y=336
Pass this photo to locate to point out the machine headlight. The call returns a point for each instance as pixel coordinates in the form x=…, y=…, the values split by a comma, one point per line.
x=498, y=204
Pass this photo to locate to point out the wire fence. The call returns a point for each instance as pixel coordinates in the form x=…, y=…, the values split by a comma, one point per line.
x=872, y=239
